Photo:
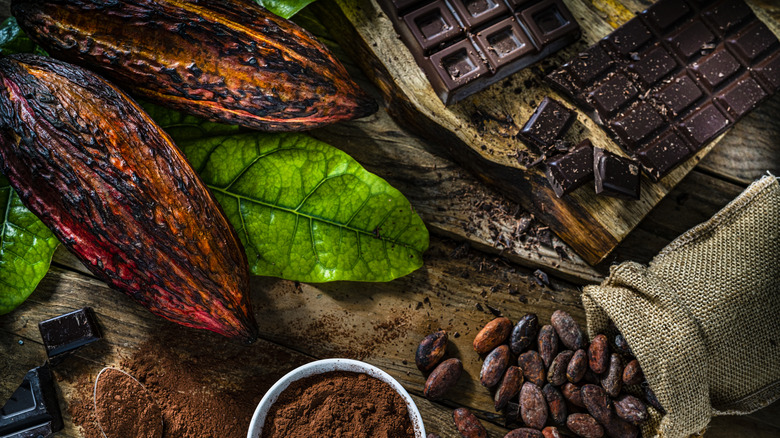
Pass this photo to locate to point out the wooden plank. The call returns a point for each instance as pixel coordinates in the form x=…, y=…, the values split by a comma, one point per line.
x=592, y=225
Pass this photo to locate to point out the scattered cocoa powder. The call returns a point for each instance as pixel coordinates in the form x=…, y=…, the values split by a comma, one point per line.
x=339, y=403
x=124, y=407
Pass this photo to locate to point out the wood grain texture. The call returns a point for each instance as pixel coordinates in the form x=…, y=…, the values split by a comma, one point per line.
x=480, y=132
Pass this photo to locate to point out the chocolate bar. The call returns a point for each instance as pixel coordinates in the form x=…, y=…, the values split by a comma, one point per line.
x=672, y=79
x=465, y=45
x=615, y=175
x=33, y=410
x=572, y=170
x=70, y=331
x=548, y=123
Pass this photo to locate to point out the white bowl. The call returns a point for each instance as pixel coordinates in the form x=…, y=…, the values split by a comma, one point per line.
x=324, y=366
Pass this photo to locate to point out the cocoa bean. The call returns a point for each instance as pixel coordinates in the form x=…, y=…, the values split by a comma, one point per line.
x=617, y=428
x=597, y=403
x=512, y=412
x=533, y=367
x=492, y=335
x=573, y=394
x=524, y=333
x=443, y=377
x=551, y=432
x=494, y=366
x=468, y=424
x=568, y=330
x=612, y=381
x=630, y=409
x=632, y=373
x=598, y=354
x=533, y=408
x=555, y=404
x=524, y=432
x=585, y=426
x=431, y=351
x=509, y=387
x=548, y=344
x=621, y=345
x=577, y=366
x=591, y=377
x=652, y=400
x=557, y=372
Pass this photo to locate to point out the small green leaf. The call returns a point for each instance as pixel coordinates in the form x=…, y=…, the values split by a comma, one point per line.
x=26, y=248
x=13, y=39
x=181, y=126
x=306, y=211
x=284, y=8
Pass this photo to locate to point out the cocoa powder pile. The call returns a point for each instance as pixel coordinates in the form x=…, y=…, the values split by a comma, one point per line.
x=124, y=408
x=338, y=404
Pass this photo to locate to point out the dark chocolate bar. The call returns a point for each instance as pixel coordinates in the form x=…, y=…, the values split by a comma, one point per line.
x=672, y=79
x=33, y=410
x=615, y=175
x=68, y=332
x=465, y=45
x=548, y=123
x=572, y=170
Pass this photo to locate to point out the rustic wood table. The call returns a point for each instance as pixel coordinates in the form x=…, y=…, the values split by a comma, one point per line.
x=483, y=253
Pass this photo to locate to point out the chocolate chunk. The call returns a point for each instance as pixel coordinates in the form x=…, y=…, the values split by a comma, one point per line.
x=615, y=175
x=699, y=66
x=663, y=154
x=33, y=409
x=548, y=123
x=464, y=46
x=68, y=332
x=571, y=170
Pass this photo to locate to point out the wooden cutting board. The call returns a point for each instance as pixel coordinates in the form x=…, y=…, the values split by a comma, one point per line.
x=480, y=131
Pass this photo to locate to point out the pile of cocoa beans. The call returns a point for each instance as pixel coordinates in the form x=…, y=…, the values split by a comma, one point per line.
x=546, y=377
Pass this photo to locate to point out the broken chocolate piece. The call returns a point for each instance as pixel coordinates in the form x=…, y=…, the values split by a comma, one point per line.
x=33, y=409
x=696, y=66
x=615, y=175
x=68, y=332
x=463, y=46
x=547, y=124
x=571, y=170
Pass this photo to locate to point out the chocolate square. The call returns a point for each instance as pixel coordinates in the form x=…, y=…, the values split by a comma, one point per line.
x=692, y=40
x=629, y=37
x=432, y=25
x=504, y=42
x=768, y=72
x=653, y=65
x=704, y=125
x=612, y=93
x=68, y=332
x=548, y=123
x=458, y=64
x=752, y=42
x=716, y=68
x=33, y=408
x=637, y=123
x=588, y=65
x=663, y=154
x=741, y=96
x=572, y=170
x=664, y=13
x=548, y=21
x=477, y=12
x=679, y=94
x=727, y=15
x=615, y=176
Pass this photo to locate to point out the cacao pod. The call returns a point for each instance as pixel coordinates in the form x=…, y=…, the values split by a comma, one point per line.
x=225, y=60
x=115, y=190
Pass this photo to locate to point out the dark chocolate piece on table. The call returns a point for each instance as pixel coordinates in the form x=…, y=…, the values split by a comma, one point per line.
x=699, y=65
x=65, y=333
x=548, y=123
x=33, y=409
x=615, y=176
x=493, y=38
x=572, y=170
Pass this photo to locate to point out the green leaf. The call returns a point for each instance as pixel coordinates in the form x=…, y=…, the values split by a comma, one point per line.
x=26, y=249
x=13, y=39
x=306, y=211
x=284, y=8
x=182, y=126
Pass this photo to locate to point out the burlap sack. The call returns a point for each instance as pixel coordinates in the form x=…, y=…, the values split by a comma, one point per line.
x=703, y=318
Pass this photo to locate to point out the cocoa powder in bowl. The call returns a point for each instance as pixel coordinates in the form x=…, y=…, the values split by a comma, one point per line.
x=338, y=403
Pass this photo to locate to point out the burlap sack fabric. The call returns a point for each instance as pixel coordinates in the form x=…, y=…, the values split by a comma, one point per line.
x=703, y=318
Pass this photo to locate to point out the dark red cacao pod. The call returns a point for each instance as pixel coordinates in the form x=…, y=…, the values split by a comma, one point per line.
x=225, y=60
x=115, y=190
